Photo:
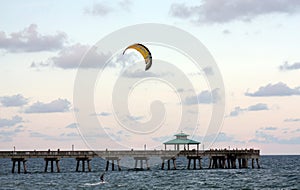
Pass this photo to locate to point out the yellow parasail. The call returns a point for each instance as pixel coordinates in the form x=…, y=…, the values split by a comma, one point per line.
x=145, y=53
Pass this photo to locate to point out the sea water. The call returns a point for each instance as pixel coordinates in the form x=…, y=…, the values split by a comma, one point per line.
x=276, y=172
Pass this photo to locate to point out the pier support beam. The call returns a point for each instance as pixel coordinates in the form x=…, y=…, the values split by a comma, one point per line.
x=141, y=159
x=257, y=162
x=112, y=161
x=194, y=158
x=19, y=160
x=168, y=159
x=52, y=160
x=83, y=160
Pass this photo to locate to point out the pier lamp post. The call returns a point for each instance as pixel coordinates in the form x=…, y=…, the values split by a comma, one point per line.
x=72, y=147
x=14, y=148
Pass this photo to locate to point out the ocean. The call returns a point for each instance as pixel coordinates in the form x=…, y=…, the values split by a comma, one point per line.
x=276, y=172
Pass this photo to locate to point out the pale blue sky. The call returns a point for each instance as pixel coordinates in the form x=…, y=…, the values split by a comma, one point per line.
x=249, y=41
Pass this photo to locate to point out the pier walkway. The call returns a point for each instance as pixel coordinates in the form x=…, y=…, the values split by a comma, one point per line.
x=217, y=158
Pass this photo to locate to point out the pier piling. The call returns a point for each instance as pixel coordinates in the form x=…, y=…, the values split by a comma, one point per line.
x=112, y=160
x=19, y=160
x=141, y=159
x=83, y=160
x=52, y=160
x=168, y=159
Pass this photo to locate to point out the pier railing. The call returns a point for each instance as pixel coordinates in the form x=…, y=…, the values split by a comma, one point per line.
x=127, y=153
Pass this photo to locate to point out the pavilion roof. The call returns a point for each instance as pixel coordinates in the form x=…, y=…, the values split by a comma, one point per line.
x=181, y=141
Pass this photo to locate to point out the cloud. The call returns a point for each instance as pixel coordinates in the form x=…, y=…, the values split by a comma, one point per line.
x=72, y=126
x=286, y=66
x=263, y=136
x=139, y=73
x=292, y=120
x=224, y=137
x=226, y=31
x=13, y=101
x=270, y=128
x=223, y=11
x=104, y=114
x=257, y=107
x=29, y=40
x=70, y=58
x=205, y=97
x=10, y=122
x=125, y=4
x=237, y=111
x=61, y=137
x=208, y=71
x=135, y=118
x=59, y=105
x=7, y=135
x=99, y=9
x=103, y=8
x=279, y=89
x=69, y=134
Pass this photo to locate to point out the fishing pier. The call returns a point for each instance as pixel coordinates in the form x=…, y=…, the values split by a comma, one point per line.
x=217, y=158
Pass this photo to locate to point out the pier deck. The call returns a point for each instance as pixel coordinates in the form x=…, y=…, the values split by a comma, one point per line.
x=217, y=158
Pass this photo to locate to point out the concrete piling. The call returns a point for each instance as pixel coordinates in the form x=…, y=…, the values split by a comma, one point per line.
x=168, y=159
x=194, y=158
x=52, y=160
x=112, y=161
x=19, y=161
x=141, y=159
x=83, y=160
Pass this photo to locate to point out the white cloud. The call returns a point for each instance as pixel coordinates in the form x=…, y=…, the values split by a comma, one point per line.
x=205, y=97
x=10, y=122
x=222, y=11
x=257, y=107
x=70, y=58
x=29, y=40
x=279, y=89
x=13, y=101
x=139, y=73
x=99, y=9
x=59, y=105
x=286, y=66
x=263, y=135
x=6, y=135
x=292, y=120
x=72, y=126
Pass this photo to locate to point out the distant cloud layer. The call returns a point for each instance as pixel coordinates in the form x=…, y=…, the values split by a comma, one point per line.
x=222, y=11
x=292, y=120
x=29, y=40
x=13, y=101
x=59, y=105
x=103, y=8
x=100, y=9
x=286, y=66
x=264, y=135
x=10, y=122
x=279, y=89
x=72, y=126
x=204, y=97
x=70, y=58
x=257, y=107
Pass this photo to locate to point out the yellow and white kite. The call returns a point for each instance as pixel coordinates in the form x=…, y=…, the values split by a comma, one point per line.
x=145, y=53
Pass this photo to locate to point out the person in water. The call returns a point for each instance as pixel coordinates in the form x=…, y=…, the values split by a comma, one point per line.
x=102, y=177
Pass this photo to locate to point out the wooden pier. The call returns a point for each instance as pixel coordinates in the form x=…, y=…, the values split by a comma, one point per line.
x=218, y=159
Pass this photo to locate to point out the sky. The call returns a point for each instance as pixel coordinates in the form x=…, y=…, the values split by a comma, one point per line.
x=254, y=44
